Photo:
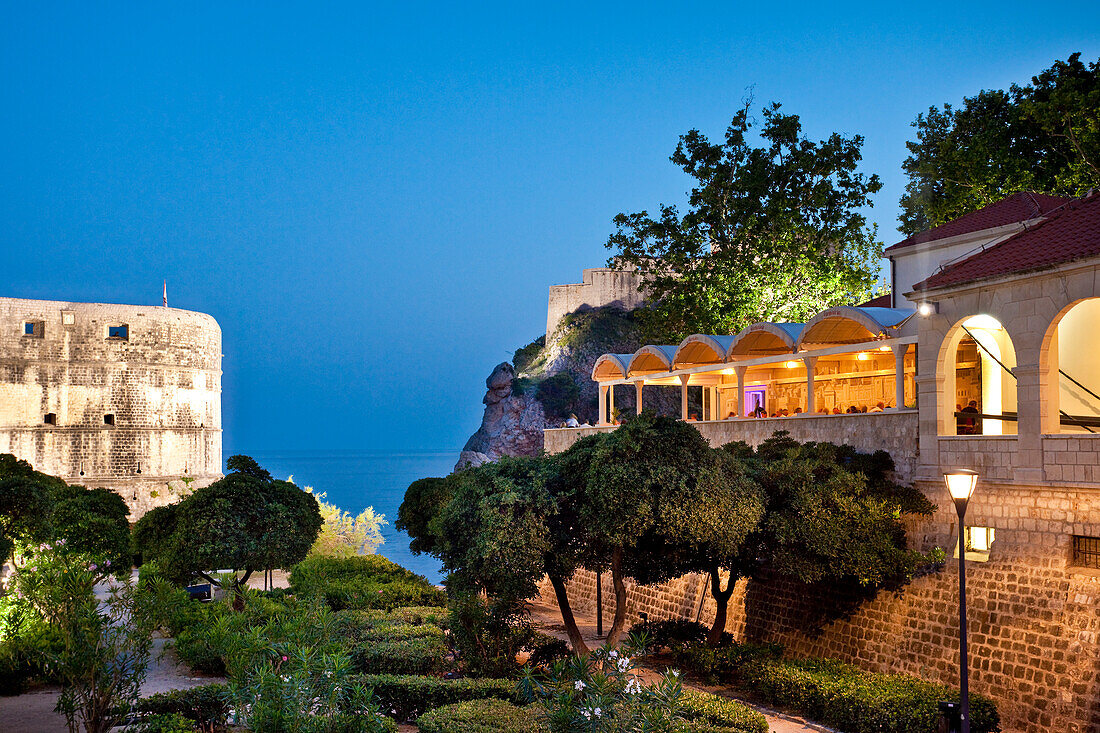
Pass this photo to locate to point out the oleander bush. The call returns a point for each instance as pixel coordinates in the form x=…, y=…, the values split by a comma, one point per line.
x=363, y=582
x=481, y=716
x=425, y=656
x=845, y=697
x=407, y=697
x=206, y=706
x=167, y=723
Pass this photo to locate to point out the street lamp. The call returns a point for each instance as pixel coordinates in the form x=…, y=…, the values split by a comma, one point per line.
x=961, y=484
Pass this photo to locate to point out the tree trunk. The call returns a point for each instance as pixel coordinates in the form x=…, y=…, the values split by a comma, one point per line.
x=721, y=603
x=620, y=598
x=575, y=638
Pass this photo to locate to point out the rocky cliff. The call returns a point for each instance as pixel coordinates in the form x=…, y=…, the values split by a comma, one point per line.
x=551, y=379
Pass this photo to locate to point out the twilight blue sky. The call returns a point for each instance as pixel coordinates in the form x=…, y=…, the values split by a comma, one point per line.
x=372, y=199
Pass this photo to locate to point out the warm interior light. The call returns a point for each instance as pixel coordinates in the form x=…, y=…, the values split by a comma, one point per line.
x=791, y=364
x=862, y=356
x=979, y=539
x=884, y=348
x=728, y=371
x=961, y=483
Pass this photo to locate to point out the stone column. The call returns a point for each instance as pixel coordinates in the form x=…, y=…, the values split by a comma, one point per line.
x=638, y=395
x=900, y=351
x=1029, y=425
x=603, y=405
x=810, y=361
x=684, y=396
x=932, y=424
x=740, y=389
x=610, y=402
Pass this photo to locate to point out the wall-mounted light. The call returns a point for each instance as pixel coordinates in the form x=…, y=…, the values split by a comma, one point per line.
x=862, y=356
x=928, y=307
x=884, y=348
x=791, y=364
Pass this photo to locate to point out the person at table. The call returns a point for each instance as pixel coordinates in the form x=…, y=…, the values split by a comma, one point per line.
x=970, y=425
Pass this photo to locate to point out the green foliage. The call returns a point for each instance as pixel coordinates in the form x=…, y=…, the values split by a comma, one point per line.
x=426, y=655
x=488, y=634
x=27, y=642
x=205, y=706
x=246, y=521
x=600, y=693
x=525, y=356
x=1043, y=136
x=713, y=713
x=92, y=521
x=724, y=661
x=166, y=723
x=419, y=512
x=771, y=233
x=558, y=394
x=366, y=581
x=845, y=697
x=407, y=697
x=481, y=716
x=669, y=633
x=343, y=535
x=153, y=530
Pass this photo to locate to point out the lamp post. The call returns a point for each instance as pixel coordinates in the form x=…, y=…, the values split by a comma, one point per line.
x=960, y=484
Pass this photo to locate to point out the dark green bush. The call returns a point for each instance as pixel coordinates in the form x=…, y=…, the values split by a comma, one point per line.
x=167, y=723
x=670, y=633
x=481, y=716
x=527, y=354
x=558, y=394
x=546, y=649
x=426, y=655
x=365, y=581
x=407, y=697
x=723, y=662
x=843, y=696
x=28, y=641
x=206, y=706
x=435, y=615
x=709, y=713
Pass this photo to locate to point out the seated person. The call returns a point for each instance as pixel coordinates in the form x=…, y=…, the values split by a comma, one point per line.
x=759, y=411
x=798, y=410
x=852, y=410
x=782, y=413
x=732, y=415
x=572, y=422
x=693, y=417
x=970, y=425
x=836, y=411
x=879, y=407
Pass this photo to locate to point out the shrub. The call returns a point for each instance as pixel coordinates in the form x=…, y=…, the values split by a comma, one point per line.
x=481, y=716
x=546, y=650
x=427, y=655
x=670, y=633
x=434, y=615
x=367, y=581
x=407, y=697
x=845, y=697
x=488, y=635
x=558, y=394
x=170, y=723
x=726, y=661
x=205, y=706
x=708, y=712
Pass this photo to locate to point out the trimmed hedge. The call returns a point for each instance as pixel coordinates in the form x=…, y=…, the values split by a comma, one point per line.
x=407, y=697
x=363, y=581
x=205, y=705
x=481, y=716
x=669, y=633
x=712, y=713
x=845, y=697
x=416, y=615
x=426, y=655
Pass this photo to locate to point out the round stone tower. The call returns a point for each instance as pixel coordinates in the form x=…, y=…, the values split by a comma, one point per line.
x=118, y=396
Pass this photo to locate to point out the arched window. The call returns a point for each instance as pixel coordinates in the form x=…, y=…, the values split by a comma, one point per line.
x=1072, y=387
x=979, y=386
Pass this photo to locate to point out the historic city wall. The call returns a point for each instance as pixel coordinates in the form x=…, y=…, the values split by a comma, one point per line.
x=135, y=410
x=598, y=287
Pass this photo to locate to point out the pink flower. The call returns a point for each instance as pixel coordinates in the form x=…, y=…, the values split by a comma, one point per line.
x=92, y=566
x=284, y=657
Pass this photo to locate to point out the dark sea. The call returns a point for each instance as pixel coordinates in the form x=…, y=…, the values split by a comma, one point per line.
x=354, y=480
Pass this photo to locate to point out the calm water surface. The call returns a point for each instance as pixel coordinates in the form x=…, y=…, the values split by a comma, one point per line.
x=354, y=480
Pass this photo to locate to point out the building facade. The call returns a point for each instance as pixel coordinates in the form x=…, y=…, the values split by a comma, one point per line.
x=994, y=330
x=116, y=396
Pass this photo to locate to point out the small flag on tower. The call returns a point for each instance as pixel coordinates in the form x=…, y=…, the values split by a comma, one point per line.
x=165, y=293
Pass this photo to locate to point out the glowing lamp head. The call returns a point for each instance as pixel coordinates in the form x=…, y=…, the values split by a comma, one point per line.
x=862, y=356
x=961, y=483
x=926, y=308
x=791, y=364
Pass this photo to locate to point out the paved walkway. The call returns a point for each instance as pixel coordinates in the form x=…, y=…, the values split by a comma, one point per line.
x=548, y=619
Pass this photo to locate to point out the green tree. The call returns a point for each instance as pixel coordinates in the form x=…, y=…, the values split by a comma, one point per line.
x=1044, y=136
x=772, y=232
x=424, y=501
x=246, y=521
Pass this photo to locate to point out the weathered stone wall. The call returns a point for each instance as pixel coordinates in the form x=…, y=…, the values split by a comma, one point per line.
x=160, y=385
x=598, y=287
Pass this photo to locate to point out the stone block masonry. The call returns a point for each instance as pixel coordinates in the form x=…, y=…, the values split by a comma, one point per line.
x=599, y=287
x=116, y=396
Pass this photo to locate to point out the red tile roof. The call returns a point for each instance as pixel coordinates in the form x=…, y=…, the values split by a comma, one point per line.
x=1016, y=208
x=1069, y=234
x=882, y=301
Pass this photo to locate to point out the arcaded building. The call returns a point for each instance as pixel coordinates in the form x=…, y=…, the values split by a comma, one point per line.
x=986, y=357
x=117, y=396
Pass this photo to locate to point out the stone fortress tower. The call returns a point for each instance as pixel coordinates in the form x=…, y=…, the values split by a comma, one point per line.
x=123, y=397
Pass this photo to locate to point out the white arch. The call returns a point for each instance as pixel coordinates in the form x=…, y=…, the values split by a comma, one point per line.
x=610, y=367
x=762, y=339
x=651, y=359
x=700, y=348
x=845, y=324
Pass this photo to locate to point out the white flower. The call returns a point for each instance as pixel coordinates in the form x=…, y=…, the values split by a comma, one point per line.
x=613, y=654
x=623, y=664
x=578, y=685
x=633, y=687
x=597, y=712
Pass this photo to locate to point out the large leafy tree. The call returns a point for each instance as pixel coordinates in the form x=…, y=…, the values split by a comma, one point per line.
x=774, y=231
x=246, y=521
x=1043, y=136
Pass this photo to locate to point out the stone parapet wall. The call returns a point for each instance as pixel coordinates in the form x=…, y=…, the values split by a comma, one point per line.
x=1074, y=458
x=599, y=287
x=893, y=431
x=1034, y=617
x=994, y=457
